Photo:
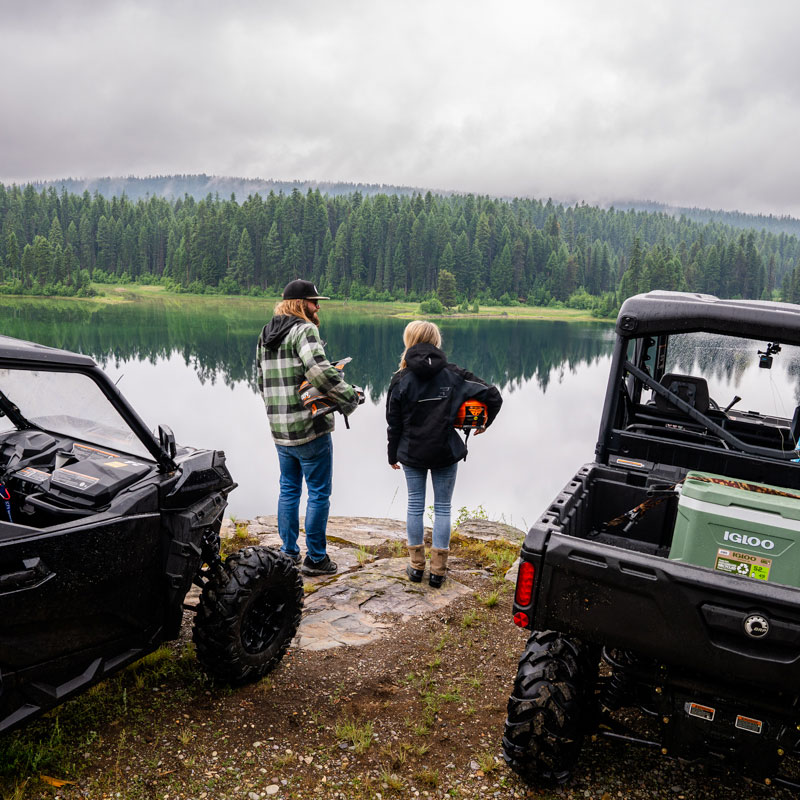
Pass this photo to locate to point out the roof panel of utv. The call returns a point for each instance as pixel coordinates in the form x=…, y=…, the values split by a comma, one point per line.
x=681, y=312
x=30, y=352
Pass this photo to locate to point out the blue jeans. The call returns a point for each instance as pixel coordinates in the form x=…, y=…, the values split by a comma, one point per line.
x=314, y=462
x=444, y=481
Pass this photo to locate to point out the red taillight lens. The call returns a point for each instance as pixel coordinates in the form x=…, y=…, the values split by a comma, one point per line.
x=525, y=580
x=521, y=619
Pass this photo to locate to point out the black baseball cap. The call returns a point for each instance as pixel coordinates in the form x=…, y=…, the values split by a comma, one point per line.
x=302, y=290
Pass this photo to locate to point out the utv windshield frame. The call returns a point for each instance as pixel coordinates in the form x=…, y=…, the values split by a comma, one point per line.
x=17, y=355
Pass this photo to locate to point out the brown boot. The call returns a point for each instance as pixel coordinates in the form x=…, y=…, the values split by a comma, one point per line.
x=416, y=568
x=438, y=566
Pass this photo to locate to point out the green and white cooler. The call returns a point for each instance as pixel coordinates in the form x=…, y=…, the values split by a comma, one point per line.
x=747, y=529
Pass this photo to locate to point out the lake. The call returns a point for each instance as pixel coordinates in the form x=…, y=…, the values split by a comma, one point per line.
x=189, y=363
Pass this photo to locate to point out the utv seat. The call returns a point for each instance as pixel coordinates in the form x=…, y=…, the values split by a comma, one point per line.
x=662, y=417
x=690, y=389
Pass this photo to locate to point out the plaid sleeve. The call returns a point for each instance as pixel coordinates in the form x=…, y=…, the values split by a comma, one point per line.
x=259, y=367
x=319, y=372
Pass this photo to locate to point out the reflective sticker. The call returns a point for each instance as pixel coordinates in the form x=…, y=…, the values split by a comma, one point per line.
x=33, y=475
x=749, y=724
x=629, y=463
x=86, y=447
x=76, y=480
x=701, y=712
x=744, y=564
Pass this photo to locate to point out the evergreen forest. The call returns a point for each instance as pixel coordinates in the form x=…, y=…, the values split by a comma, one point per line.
x=384, y=247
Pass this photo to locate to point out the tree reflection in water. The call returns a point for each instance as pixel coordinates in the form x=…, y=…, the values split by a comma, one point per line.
x=191, y=366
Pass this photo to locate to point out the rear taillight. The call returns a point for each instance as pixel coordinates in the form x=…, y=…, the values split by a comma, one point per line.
x=521, y=619
x=525, y=580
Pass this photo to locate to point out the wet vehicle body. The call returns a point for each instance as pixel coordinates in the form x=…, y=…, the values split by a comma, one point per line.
x=664, y=577
x=104, y=527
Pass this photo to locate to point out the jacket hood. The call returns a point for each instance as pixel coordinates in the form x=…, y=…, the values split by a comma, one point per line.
x=275, y=331
x=425, y=360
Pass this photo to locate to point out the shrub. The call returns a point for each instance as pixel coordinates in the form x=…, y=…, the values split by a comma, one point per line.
x=432, y=306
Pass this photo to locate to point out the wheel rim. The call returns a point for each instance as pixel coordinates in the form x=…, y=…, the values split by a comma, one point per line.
x=262, y=623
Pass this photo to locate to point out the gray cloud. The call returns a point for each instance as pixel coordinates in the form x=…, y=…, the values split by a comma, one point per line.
x=693, y=103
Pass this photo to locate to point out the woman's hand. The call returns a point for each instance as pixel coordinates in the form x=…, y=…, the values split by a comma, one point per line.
x=394, y=466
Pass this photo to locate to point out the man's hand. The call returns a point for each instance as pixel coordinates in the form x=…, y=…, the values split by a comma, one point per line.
x=479, y=431
x=394, y=466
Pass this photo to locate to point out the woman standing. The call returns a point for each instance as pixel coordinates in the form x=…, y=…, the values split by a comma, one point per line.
x=421, y=406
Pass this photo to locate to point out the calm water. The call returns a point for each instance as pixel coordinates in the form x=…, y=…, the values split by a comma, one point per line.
x=192, y=367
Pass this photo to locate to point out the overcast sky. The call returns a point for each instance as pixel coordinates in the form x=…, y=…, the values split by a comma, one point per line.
x=689, y=103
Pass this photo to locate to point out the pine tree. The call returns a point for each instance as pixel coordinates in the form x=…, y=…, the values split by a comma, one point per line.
x=483, y=243
x=42, y=260
x=461, y=265
x=274, y=256
x=447, y=286
x=12, y=256
x=293, y=260
x=27, y=266
x=245, y=262
x=56, y=235
x=629, y=285
x=502, y=274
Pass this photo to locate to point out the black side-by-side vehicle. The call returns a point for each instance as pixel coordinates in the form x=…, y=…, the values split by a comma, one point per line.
x=665, y=577
x=103, y=529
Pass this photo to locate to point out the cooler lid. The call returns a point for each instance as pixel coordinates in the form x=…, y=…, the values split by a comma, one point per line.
x=722, y=491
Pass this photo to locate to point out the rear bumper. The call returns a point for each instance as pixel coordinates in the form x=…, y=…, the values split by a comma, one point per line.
x=686, y=617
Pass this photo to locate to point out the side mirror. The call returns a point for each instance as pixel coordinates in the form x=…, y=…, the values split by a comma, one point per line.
x=166, y=438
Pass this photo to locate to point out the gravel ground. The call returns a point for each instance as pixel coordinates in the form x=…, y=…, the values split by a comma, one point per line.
x=417, y=714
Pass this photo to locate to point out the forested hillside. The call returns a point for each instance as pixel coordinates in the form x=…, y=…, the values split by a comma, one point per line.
x=736, y=219
x=382, y=246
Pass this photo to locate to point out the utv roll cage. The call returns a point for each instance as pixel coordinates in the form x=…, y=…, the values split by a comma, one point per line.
x=686, y=418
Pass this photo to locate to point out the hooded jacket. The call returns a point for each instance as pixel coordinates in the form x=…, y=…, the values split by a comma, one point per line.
x=290, y=351
x=421, y=407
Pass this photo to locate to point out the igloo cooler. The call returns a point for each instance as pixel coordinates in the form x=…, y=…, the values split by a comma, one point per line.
x=747, y=529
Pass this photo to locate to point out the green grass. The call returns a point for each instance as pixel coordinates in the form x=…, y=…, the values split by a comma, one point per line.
x=490, y=599
x=54, y=745
x=358, y=734
x=364, y=556
x=398, y=548
x=497, y=555
x=241, y=538
x=391, y=780
x=428, y=777
x=137, y=293
x=469, y=618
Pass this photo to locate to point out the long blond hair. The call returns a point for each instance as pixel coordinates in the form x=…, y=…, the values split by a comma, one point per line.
x=292, y=308
x=420, y=332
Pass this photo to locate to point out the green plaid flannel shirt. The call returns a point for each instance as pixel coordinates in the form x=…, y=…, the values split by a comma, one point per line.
x=280, y=372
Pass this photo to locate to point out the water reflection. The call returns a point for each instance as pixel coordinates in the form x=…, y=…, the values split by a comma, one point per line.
x=192, y=367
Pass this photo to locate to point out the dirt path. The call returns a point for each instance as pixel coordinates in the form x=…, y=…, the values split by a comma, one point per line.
x=391, y=690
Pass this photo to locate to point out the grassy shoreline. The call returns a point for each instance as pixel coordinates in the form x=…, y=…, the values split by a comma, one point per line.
x=113, y=294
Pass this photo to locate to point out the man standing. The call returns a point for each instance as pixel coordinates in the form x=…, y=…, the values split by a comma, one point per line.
x=290, y=351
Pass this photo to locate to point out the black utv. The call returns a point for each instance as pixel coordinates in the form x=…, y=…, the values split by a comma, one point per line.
x=665, y=578
x=103, y=529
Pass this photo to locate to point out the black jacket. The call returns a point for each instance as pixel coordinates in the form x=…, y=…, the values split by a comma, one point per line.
x=421, y=408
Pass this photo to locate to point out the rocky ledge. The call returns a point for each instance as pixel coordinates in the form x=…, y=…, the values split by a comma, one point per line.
x=350, y=607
